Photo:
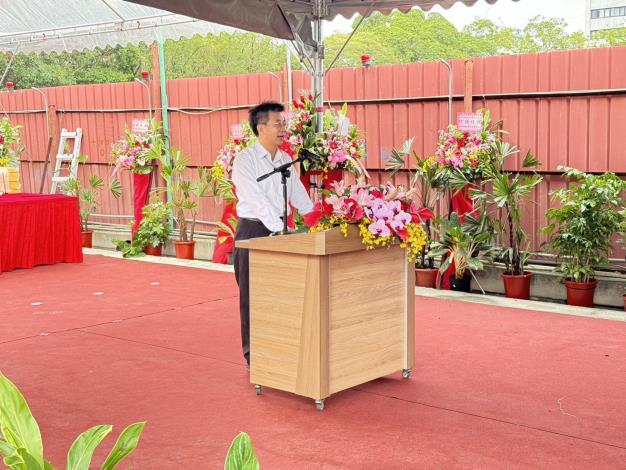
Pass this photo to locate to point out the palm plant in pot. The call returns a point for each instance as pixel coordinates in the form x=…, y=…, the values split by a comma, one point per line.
x=466, y=244
x=505, y=191
x=186, y=193
x=590, y=212
x=428, y=185
x=88, y=202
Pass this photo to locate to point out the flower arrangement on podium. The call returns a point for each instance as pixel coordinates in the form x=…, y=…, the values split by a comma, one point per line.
x=10, y=150
x=339, y=144
x=384, y=215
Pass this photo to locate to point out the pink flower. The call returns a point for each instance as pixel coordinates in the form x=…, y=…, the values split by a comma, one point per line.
x=400, y=220
x=379, y=228
x=337, y=157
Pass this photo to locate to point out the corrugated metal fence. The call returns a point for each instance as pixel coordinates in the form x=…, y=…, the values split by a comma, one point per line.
x=568, y=107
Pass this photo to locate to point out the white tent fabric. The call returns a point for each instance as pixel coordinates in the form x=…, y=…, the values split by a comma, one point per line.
x=52, y=25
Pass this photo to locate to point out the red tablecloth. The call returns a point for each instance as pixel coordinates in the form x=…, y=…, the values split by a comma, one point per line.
x=38, y=229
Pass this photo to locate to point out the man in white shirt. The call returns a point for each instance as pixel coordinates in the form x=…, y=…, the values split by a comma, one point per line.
x=260, y=204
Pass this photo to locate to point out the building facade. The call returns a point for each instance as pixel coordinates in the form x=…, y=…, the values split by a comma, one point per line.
x=605, y=14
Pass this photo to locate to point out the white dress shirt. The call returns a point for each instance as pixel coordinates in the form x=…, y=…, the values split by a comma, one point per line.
x=264, y=200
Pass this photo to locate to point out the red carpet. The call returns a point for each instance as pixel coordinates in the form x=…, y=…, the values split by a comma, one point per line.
x=492, y=387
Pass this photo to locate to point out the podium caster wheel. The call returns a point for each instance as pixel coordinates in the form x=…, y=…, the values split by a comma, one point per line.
x=406, y=373
x=319, y=404
x=258, y=389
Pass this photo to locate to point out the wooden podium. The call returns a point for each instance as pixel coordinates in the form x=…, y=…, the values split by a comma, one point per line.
x=327, y=315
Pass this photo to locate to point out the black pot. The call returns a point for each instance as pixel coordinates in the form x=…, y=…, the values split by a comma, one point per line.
x=462, y=284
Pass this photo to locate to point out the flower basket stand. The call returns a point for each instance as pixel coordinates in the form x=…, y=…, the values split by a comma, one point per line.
x=319, y=321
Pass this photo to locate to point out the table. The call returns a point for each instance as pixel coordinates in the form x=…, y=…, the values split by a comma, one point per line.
x=38, y=229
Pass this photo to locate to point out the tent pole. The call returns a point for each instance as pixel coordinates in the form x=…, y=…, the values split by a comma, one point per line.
x=318, y=72
x=164, y=104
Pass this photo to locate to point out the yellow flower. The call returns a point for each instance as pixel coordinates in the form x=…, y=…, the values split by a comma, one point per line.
x=4, y=161
x=217, y=172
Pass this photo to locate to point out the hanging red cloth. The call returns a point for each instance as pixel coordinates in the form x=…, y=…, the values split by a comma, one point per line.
x=328, y=178
x=224, y=243
x=141, y=190
x=461, y=204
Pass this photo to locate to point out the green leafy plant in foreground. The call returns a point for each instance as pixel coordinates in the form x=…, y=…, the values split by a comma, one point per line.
x=22, y=447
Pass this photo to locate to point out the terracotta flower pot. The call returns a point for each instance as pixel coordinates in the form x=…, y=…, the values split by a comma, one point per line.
x=184, y=250
x=426, y=277
x=462, y=284
x=580, y=293
x=87, y=238
x=517, y=287
x=153, y=250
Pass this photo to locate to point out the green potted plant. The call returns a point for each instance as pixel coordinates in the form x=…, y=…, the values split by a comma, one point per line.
x=506, y=193
x=590, y=212
x=185, y=195
x=466, y=244
x=428, y=186
x=88, y=202
x=155, y=228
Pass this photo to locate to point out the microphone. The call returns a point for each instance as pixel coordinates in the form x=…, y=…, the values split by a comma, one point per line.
x=305, y=154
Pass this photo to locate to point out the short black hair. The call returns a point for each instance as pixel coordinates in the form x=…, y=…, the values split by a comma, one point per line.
x=260, y=114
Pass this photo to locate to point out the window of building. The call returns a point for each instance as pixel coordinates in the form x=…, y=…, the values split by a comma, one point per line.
x=608, y=12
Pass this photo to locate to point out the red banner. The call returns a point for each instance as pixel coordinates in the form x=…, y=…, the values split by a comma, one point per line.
x=461, y=204
x=141, y=189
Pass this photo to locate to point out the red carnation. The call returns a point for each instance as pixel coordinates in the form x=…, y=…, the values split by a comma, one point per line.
x=377, y=193
x=1, y=139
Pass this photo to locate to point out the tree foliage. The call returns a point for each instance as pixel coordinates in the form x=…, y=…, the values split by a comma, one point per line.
x=396, y=38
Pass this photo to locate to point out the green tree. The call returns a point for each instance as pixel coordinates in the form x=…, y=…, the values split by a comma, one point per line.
x=611, y=37
x=362, y=43
x=548, y=34
x=223, y=54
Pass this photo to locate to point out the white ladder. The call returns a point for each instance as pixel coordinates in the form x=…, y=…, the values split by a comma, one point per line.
x=66, y=163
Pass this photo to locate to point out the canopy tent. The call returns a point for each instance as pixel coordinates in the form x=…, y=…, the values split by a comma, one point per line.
x=288, y=19
x=50, y=25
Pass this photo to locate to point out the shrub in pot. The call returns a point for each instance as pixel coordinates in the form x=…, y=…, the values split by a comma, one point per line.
x=155, y=227
x=590, y=212
x=429, y=188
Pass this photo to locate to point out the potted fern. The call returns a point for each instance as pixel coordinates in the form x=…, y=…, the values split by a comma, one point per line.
x=590, y=212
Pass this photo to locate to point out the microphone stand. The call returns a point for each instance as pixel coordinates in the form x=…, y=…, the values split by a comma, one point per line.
x=284, y=174
x=284, y=171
